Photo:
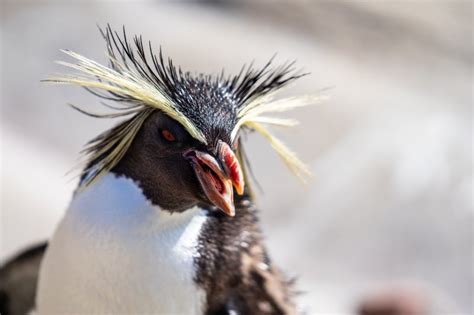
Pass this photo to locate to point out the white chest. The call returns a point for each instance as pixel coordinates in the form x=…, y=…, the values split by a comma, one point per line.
x=115, y=253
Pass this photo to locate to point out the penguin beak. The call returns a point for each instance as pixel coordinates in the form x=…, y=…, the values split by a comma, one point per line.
x=216, y=180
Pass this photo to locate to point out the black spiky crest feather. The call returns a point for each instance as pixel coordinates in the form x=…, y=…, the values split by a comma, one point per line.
x=142, y=82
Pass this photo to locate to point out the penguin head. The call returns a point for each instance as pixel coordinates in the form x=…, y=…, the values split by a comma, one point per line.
x=180, y=140
x=177, y=171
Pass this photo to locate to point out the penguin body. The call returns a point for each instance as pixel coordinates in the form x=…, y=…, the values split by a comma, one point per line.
x=115, y=252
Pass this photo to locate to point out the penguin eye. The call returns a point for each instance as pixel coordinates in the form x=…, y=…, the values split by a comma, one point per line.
x=168, y=135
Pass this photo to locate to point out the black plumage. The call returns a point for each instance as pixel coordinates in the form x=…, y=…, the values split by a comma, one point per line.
x=235, y=269
x=18, y=281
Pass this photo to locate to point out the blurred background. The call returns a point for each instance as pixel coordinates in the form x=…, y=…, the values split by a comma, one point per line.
x=389, y=208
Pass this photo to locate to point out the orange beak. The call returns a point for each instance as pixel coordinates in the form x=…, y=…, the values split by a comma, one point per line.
x=217, y=181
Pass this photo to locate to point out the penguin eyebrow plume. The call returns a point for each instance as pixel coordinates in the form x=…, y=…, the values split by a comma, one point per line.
x=140, y=82
x=253, y=116
x=256, y=91
x=130, y=80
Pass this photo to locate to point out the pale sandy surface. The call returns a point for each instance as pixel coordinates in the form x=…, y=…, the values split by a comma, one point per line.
x=390, y=204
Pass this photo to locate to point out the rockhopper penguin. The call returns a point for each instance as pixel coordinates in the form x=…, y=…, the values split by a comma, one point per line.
x=163, y=221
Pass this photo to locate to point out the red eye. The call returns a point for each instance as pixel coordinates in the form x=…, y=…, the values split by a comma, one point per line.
x=168, y=135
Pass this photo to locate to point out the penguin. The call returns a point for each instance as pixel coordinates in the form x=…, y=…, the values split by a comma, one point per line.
x=163, y=220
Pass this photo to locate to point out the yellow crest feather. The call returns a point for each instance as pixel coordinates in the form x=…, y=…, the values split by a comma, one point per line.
x=288, y=156
x=128, y=83
x=252, y=116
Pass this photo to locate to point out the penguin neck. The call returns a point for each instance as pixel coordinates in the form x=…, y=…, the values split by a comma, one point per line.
x=116, y=197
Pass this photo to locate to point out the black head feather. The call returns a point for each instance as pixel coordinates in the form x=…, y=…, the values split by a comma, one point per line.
x=210, y=102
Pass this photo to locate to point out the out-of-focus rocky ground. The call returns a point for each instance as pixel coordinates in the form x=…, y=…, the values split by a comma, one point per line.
x=390, y=204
